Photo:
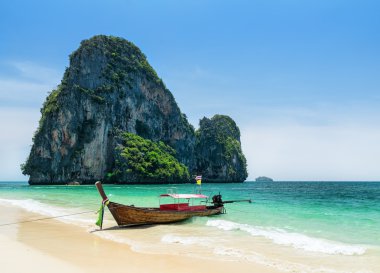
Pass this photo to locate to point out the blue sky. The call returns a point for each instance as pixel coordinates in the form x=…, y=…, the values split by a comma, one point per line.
x=301, y=78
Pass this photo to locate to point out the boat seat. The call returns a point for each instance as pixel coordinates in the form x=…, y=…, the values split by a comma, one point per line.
x=181, y=207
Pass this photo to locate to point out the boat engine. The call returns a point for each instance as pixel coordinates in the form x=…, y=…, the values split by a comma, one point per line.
x=217, y=200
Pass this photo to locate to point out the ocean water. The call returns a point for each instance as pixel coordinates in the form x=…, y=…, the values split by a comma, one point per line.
x=289, y=225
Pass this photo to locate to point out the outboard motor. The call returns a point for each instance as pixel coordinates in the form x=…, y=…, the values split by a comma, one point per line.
x=217, y=200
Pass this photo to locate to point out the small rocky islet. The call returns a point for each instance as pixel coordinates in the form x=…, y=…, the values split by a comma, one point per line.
x=264, y=179
x=112, y=119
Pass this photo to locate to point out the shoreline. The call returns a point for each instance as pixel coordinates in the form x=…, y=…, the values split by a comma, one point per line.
x=76, y=183
x=65, y=247
x=224, y=243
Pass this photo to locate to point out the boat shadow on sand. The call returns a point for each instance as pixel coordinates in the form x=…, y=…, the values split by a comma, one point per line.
x=142, y=227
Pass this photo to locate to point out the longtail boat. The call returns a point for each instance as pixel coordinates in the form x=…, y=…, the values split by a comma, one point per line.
x=129, y=215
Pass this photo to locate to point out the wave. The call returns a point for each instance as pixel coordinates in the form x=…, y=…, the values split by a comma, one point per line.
x=280, y=265
x=48, y=210
x=296, y=240
x=216, y=247
x=190, y=240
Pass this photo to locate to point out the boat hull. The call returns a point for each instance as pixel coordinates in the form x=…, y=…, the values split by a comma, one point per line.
x=130, y=215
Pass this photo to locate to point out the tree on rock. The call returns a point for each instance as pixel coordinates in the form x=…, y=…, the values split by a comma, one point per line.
x=145, y=161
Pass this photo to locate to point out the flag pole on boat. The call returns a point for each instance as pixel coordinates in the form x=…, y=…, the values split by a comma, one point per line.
x=198, y=179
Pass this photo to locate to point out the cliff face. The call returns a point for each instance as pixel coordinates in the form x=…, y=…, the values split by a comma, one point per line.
x=218, y=151
x=108, y=88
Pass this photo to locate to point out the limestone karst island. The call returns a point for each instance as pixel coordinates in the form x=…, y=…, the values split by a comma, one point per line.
x=112, y=119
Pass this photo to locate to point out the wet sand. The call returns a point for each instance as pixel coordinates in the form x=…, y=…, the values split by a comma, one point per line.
x=53, y=246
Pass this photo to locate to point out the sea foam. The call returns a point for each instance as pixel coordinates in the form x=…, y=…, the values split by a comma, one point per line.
x=235, y=254
x=62, y=214
x=296, y=240
x=189, y=240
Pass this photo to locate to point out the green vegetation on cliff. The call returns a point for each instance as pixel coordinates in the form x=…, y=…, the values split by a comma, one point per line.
x=124, y=60
x=219, y=127
x=147, y=161
x=51, y=103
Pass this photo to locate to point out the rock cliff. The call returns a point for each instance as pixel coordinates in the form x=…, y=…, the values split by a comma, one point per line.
x=109, y=88
x=218, y=151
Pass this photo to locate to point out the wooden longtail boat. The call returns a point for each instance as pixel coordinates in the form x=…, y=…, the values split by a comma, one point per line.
x=166, y=213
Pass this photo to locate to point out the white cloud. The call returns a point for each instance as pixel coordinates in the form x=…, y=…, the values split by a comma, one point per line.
x=301, y=152
x=37, y=72
x=19, y=125
x=29, y=86
x=21, y=97
x=15, y=92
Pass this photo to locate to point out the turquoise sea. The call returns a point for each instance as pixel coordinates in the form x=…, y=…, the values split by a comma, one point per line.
x=287, y=223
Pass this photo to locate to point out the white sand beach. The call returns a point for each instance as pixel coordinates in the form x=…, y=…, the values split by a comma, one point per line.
x=53, y=246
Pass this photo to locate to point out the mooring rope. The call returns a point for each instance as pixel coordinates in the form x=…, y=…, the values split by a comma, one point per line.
x=83, y=212
x=46, y=218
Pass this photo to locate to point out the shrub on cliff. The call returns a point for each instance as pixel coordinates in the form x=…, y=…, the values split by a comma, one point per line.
x=143, y=160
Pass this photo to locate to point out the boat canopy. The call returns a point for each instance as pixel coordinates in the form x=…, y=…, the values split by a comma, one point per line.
x=184, y=196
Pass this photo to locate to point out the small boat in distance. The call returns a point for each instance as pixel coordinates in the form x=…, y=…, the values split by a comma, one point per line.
x=177, y=211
